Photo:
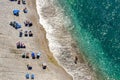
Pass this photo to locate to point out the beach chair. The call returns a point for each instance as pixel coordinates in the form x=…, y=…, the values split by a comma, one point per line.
x=32, y=76
x=27, y=76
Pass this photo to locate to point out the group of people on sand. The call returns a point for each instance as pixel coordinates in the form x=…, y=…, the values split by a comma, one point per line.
x=20, y=45
x=33, y=55
x=26, y=33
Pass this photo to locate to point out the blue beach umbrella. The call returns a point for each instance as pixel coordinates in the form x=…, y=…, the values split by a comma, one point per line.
x=16, y=12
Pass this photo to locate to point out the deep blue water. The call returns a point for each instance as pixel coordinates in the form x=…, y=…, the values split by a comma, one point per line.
x=97, y=32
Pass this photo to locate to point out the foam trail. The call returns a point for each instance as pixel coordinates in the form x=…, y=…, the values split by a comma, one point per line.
x=60, y=42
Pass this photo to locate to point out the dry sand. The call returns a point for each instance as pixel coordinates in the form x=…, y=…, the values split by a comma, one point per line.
x=12, y=66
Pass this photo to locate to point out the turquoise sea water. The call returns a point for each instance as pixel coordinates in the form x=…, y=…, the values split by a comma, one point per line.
x=97, y=32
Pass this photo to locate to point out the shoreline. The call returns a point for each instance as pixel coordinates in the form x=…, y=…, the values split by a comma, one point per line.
x=50, y=29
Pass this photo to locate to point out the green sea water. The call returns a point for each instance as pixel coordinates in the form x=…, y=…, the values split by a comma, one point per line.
x=97, y=32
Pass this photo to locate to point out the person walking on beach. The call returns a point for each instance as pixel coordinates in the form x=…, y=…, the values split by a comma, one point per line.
x=76, y=59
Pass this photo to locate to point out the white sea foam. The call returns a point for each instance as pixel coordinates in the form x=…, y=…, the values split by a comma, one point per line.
x=60, y=41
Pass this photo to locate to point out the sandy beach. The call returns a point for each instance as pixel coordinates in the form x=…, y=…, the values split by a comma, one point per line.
x=12, y=65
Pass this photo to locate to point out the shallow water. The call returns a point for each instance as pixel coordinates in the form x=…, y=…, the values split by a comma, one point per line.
x=95, y=27
x=61, y=44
